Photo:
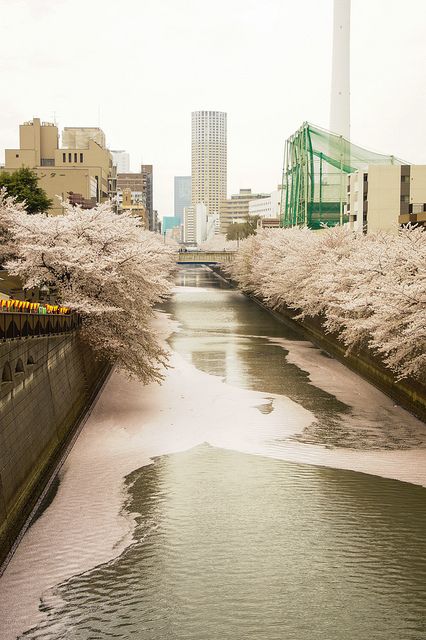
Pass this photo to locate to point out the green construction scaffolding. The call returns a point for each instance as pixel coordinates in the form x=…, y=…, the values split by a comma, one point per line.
x=314, y=186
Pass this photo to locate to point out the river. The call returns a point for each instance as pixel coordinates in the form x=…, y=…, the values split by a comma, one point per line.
x=263, y=492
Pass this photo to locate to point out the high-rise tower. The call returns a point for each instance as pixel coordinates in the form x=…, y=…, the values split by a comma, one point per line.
x=340, y=80
x=209, y=159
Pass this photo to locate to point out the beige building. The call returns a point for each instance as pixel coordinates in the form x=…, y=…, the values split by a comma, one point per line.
x=84, y=170
x=236, y=208
x=209, y=159
x=78, y=137
x=141, y=186
x=136, y=207
x=385, y=196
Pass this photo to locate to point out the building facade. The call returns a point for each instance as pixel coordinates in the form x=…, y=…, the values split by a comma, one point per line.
x=170, y=222
x=236, y=208
x=78, y=137
x=182, y=195
x=135, y=208
x=121, y=160
x=386, y=196
x=268, y=207
x=148, y=182
x=209, y=159
x=83, y=170
x=141, y=187
x=195, y=224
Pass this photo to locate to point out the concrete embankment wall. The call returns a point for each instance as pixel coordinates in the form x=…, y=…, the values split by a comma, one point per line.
x=49, y=384
x=410, y=394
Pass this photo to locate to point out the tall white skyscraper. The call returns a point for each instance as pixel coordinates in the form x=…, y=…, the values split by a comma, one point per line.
x=209, y=159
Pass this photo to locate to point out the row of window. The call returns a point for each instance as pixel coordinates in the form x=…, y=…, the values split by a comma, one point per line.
x=70, y=157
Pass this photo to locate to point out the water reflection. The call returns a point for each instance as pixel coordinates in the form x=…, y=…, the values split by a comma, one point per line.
x=231, y=546
x=223, y=333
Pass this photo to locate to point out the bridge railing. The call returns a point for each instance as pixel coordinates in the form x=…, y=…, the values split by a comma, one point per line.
x=25, y=325
x=205, y=257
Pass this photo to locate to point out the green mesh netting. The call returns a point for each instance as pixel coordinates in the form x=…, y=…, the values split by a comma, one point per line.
x=316, y=164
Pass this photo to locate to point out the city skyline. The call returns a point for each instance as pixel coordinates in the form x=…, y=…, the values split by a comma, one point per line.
x=248, y=76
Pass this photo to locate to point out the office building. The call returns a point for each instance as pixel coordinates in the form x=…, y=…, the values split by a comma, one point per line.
x=236, y=208
x=386, y=196
x=209, y=159
x=83, y=168
x=195, y=224
x=121, y=160
x=268, y=207
x=182, y=195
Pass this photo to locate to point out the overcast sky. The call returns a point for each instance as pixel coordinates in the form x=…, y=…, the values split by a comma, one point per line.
x=144, y=65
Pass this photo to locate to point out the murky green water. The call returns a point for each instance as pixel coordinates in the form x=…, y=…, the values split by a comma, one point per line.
x=237, y=546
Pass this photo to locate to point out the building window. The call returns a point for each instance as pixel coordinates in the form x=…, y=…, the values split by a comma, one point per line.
x=70, y=157
x=75, y=157
x=17, y=155
x=81, y=157
x=64, y=157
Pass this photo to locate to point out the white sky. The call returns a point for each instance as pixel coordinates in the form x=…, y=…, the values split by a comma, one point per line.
x=146, y=64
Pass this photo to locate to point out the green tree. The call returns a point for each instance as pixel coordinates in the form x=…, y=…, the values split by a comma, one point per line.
x=241, y=230
x=23, y=185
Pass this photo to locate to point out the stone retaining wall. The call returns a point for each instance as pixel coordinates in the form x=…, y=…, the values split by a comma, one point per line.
x=47, y=384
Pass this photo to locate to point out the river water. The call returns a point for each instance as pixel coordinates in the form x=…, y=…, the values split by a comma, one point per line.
x=262, y=492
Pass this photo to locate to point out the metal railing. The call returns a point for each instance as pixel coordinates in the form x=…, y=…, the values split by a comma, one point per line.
x=25, y=325
x=204, y=257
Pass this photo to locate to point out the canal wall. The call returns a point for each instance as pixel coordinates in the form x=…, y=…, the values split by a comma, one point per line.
x=47, y=386
x=408, y=393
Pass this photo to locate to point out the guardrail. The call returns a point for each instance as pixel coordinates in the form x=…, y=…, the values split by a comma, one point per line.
x=26, y=325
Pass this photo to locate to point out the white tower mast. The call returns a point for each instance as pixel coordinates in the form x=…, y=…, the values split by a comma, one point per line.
x=340, y=79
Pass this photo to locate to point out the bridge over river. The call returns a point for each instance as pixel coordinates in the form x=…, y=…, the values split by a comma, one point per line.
x=204, y=257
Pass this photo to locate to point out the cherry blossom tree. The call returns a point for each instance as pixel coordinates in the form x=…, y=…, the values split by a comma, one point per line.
x=368, y=289
x=103, y=265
